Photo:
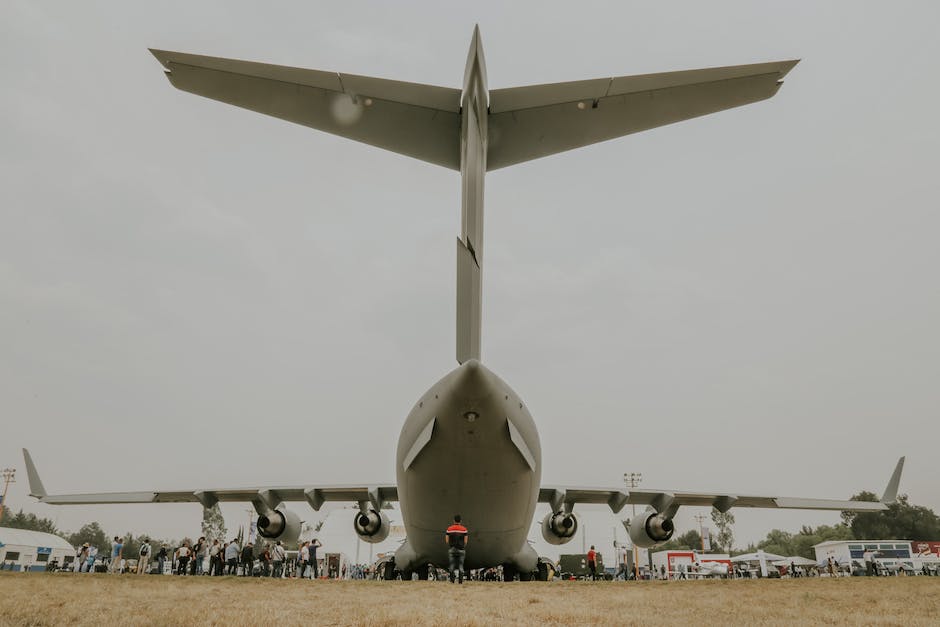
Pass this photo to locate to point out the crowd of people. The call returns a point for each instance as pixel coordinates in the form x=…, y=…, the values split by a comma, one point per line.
x=215, y=558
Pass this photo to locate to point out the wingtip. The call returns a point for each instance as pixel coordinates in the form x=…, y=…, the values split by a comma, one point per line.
x=36, y=489
x=786, y=66
x=163, y=56
x=890, y=495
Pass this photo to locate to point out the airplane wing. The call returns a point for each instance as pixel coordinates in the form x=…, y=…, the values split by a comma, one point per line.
x=562, y=498
x=420, y=121
x=269, y=497
x=539, y=120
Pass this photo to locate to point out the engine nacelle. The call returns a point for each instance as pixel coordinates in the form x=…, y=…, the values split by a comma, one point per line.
x=372, y=526
x=559, y=528
x=650, y=528
x=281, y=524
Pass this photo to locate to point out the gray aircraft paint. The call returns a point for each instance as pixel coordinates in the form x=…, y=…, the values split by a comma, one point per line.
x=469, y=446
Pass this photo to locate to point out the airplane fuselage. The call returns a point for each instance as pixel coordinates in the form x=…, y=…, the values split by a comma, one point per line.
x=469, y=446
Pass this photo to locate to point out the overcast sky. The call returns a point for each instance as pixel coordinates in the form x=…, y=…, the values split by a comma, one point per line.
x=194, y=295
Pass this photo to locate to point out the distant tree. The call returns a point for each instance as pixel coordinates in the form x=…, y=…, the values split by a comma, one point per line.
x=787, y=544
x=688, y=541
x=131, y=546
x=29, y=521
x=901, y=521
x=213, y=524
x=93, y=534
x=725, y=536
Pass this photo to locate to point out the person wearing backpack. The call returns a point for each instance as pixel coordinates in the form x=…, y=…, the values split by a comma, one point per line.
x=279, y=555
x=144, y=558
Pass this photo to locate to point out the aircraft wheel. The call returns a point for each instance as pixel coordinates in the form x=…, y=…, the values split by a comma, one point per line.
x=423, y=572
x=525, y=575
x=389, y=572
x=509, y=572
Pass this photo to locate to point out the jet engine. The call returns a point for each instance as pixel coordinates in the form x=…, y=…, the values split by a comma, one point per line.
x=650, y=528
x=372, y=526
x=559, y=528
x=280, y=524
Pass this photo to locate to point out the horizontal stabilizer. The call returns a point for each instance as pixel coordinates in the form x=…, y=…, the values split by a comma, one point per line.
x=420, y=121
x=540, y=120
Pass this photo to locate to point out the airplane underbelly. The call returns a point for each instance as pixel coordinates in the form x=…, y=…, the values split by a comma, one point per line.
x=473, y=451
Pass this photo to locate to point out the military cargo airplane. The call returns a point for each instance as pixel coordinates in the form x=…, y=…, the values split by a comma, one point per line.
x=469, y=445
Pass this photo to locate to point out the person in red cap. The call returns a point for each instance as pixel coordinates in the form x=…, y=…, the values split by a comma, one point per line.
x=456, y=538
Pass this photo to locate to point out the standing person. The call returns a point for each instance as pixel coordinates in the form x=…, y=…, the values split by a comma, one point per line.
x=144, y=557
x=117, y=548
x=214, y=556
x=82, y=558
x=303, y=558
x=312, y=560
x=161, y=558
x=198, y=556
x=266, y=560
x=279, y=556
x=592, y=563
x=231, y=558
x=624, y=563
x=457, y=539
x=832, y=567
x=869, y=558
x=182, y=558
x=248, y=559
x=90, y=560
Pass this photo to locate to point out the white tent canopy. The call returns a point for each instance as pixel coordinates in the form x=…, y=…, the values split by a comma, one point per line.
x=756, y=557
x=796, y=560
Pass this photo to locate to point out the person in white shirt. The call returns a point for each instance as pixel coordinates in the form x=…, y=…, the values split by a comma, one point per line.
x=231, y=557
x=278, y=554
x=304, y=559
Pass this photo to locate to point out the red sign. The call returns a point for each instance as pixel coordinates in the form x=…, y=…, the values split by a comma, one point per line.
x=924, y=548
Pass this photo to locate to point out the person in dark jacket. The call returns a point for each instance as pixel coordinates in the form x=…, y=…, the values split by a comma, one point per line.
x=248, y=559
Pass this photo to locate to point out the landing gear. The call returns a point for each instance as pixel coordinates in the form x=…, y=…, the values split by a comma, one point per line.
x=423, y=572
x=388, y=571
x=526, y=575
x=509, y=572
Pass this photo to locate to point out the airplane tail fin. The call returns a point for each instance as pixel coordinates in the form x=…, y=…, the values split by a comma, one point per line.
x=36, y=489
x=890, y=495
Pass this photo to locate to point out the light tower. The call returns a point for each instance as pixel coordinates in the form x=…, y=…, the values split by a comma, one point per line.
x=701, y=530
x=632, y=480
x=8, y=478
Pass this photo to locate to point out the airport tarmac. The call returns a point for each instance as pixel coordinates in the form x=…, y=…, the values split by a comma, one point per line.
x=64, y=598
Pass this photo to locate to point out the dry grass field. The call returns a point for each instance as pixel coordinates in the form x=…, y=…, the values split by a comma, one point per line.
x=67, y=599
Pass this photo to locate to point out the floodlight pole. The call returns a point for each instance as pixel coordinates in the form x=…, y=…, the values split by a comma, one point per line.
x=8, y=478
x=632, y=480
x=701, y=530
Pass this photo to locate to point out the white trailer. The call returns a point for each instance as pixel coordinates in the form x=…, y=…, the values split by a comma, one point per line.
x=24, y=550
